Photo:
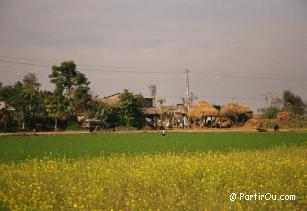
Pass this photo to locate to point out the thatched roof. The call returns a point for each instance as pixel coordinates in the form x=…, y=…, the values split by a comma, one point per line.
x=234, y=108
x=202, y=109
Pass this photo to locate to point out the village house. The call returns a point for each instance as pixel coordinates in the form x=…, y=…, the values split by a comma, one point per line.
x=152, y=114
x=178, y=115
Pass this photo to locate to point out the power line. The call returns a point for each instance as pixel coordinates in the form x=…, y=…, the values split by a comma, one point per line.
x=119, y=69
x=160, y=68
x=92, y=69
x=24, y=63
x=252, y=77
x=114, y=70
x=98, y=67
x=220, y=97
x=255, y=74
x=33, y=60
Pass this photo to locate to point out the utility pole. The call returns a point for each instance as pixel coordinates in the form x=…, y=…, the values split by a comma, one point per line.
x=188, y=98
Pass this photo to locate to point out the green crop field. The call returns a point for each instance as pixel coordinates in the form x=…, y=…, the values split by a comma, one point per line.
x=143, y=171
x=14, y=148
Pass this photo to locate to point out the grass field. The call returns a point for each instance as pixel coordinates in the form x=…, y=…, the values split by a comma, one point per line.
x=14, y=148
x=142, y=171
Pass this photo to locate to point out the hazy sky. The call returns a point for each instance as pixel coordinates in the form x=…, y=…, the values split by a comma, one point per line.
x=234, y=48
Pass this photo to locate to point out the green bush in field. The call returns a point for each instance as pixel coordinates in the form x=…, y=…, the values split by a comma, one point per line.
x=186, y=181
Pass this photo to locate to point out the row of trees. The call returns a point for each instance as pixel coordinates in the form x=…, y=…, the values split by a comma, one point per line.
x=35, y=108
x=289, y=102
x=41, y=109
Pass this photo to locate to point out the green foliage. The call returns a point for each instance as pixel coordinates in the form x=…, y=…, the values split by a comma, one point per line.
x=34, y=108
x=14, y=97
x=71, y=84
x=56, y=106
x=130, y=106
x=5, y=92
x=293, y=103
x=74, y=125
x=25, y=97
x=269, y=112
x=109, y=115
x=5, y=119
x=91, y=109
x=31, y=99
x=5, y=116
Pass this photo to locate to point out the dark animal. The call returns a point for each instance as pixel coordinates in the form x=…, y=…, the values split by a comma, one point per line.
x=261, y=129
x=276, y=128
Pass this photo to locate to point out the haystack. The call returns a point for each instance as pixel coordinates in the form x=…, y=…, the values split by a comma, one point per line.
x=233, y=108
x=252, y=123
x=202, y=109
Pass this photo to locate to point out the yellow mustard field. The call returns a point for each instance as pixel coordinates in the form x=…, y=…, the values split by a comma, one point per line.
x=187, y=181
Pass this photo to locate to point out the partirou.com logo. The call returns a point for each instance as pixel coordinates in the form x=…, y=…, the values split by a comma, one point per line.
x=260, y=197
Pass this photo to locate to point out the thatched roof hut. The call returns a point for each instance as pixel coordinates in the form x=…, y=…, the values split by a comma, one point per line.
x=233, y=108
x=202, y=109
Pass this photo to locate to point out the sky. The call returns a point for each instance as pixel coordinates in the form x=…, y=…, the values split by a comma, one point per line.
x=236, y=50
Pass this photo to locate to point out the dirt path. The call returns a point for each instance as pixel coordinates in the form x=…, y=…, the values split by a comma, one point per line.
x=243, y=129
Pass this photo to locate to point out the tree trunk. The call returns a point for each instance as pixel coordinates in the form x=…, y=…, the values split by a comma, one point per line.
x=23, y=121
x=55, y=124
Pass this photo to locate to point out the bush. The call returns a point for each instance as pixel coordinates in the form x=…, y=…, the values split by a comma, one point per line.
x=269, y=113
x=73, y=125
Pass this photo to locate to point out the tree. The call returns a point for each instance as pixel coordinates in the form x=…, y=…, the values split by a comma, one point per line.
x=161, y=101
x=5, y=93
x=24, y=98
x=16, y=100
x=269, y=112
x=5, y=117
x=56, y=106
x=91, y=110
x=108, y=114
x=130, y=106
x=31, y=96
x=273, y=100
x=72, y=84
x=274, y=105
x=293, y=103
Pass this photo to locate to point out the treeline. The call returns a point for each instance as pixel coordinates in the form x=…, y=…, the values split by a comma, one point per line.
x=290, y=104
x=28, y=107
